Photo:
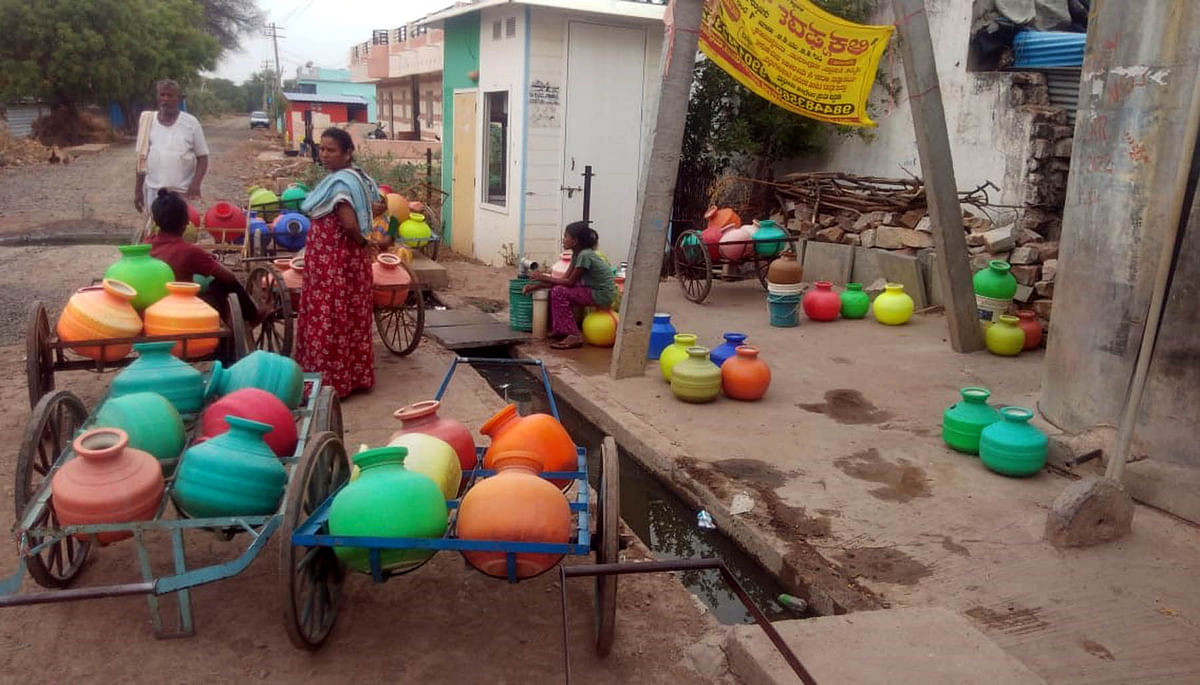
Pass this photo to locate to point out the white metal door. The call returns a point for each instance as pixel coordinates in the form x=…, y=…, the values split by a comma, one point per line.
x=604, y=129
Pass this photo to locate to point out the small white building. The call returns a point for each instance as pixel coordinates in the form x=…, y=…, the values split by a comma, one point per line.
x=535, y=91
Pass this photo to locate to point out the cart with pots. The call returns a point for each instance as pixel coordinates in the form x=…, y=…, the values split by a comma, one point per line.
x=697, y=264
x=317, y=574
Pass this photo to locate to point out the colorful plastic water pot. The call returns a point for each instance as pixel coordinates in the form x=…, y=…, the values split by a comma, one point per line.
x=1013, y=447
x=696, y=379
x=110, y=482
x=100, y=312
x=728, y=348
x=662, y=334
x=157, y=370
x=963, y=422
x=893, y=306
x=145, y=274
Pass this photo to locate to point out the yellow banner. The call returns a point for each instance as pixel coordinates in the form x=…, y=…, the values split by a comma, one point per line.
x=796, y=55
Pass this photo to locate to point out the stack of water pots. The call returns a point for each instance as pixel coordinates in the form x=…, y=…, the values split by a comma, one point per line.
x=784, y=289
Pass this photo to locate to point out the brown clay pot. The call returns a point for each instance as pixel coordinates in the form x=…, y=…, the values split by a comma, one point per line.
x=785, y=269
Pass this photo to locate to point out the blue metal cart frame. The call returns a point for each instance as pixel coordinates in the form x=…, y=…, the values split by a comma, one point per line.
x=313, y=532
x=54, y=556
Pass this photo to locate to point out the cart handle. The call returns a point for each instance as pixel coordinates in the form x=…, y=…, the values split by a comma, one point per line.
x=502, y=362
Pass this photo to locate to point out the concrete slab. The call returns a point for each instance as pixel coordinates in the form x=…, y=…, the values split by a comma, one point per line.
x=872, y=264
x=828, y=262
x=473, y=336
x=858, y=503
x=933, y=285
x=429, y=273
x=894, y=646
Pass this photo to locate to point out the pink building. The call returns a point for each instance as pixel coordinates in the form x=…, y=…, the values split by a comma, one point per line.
x=405, y=64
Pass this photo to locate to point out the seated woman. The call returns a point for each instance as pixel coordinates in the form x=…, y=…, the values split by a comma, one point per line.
x=187, y=260
x=588, y=282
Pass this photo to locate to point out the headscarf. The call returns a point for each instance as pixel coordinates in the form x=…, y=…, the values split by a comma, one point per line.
x=352, y=185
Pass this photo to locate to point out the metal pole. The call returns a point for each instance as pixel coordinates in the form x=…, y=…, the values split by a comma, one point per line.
x=587, y=194
x=428, y=175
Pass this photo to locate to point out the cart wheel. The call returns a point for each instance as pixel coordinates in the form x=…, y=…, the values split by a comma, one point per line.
x=275, y=333
x=49, y=432
x=608, y=539
x=760, y=269
x=401, y=327
x=39, y=359
x=311, y=577
x=693, y=266
x=238, y=341
x=327, y=413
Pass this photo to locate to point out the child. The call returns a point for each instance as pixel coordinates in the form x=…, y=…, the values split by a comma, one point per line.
x=596, y=290
x=187, y=260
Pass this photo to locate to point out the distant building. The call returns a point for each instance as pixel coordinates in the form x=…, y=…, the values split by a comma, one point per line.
x=308, y=114
x=321, y=81
x=404, y=65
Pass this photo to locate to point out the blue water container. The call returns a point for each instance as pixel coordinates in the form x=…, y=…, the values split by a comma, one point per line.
x=662, y=333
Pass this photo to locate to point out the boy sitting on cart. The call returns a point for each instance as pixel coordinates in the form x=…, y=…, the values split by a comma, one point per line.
x=188, y=260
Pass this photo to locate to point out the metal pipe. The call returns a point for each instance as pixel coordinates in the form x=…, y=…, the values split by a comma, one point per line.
x=55, y=596
x=587, y=194
x=684, y=565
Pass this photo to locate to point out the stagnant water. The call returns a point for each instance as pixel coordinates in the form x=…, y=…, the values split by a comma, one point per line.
x=659, y=517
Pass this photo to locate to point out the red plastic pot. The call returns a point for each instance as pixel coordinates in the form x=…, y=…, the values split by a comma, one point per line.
x=256, y=405
x=821, y=303
x=1029, y=323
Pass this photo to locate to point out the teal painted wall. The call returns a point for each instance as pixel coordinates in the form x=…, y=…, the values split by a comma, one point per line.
x=337, y=82
x=460, y=55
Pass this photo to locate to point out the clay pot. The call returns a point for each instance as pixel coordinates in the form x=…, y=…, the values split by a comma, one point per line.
x=232, y=474
x=149, y=420
x=422, y=417
x=821, y=303
x=1033, y=328
x=256, y=405
x=155, y=370
x=540, y=434
x=600, y=328
x=785, y=269
x=279, y=375
x=387, y=500
x=1004, y=337
x=101, y=312
x=744, y=376
x=390, y=281
x=674, y=353
x=729, y=247
x=292, y=273
x=110, y=482
x=145, y=274
x=696, y=379
x=893, y=306
x=432, y=457
x=181, y=312
x=514, y=505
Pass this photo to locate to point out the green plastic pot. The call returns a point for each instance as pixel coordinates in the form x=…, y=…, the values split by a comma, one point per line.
x=145, y=274
x=674, y=353
x=962, y=422
x=232, y=474
x=855, y=302
x=157, y=370
x=1005, y=337
x=696, y=379
x=994, y=289
x=151, y=422
x=388, y=501
x=1012, y=447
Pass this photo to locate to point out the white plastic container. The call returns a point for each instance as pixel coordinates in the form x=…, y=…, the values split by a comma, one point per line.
x=541, y=313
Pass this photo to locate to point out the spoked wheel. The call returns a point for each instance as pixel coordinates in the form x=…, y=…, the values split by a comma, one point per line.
x=275, y=334
x=311, y=577
x=693, y=266
x=237, y=344
x=761, y=264
x=608, y=540
x=400, y=327
x=327, y=413
x=39, y=358
x=49, y=432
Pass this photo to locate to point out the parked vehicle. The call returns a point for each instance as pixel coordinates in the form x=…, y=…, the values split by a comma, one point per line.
x=259, y=119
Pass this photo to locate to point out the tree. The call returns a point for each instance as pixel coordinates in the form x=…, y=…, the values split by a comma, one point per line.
x=229, y=20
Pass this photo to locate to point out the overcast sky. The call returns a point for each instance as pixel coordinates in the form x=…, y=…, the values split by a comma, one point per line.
x=320, y=31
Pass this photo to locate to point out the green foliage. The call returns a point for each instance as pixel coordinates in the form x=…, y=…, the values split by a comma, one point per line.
x=229, y=20
x=206, y=104
x=73, y=51
x=403, y=176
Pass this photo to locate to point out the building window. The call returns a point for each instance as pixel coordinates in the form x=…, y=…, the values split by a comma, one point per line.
x=510, y=27
x=496, y=28
x=495, y=148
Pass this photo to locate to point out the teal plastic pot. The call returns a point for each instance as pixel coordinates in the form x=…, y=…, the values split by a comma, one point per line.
x=387, y=501
x=1011, y=446
x=769, y=239
x=279, y=375
x=157, y=370
x=145, y=274
x=151, y=422
x=232, y=474
x=962, y=422
x=855, y=302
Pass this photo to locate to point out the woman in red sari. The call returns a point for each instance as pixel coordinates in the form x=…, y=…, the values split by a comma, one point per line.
x=335, y=319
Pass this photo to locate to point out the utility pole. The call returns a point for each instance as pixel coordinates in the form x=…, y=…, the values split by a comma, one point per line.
x=657, y=190
x=273, y=31
x=266, y=68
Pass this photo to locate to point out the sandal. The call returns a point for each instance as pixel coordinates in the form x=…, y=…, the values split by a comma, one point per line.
x=571, y=342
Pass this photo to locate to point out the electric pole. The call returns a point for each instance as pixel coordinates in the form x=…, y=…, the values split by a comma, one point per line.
x=266, y=69
x=274, y=32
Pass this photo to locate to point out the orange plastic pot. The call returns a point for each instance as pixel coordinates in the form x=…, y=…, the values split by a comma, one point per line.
x=1033, y=328
x=515, y=505
x=390, y=280
x=540, y=434
x=181, y=312
x=110, y=482
x=102, y=312
x=744, y=376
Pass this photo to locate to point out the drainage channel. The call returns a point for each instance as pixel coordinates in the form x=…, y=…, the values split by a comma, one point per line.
x=663, y=521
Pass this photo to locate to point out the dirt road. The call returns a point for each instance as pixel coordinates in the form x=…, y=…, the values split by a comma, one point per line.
x=96, y=190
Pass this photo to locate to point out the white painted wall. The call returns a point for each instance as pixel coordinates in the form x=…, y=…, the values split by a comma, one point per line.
x=501, y=67
x=989, y=139
x=545, y=172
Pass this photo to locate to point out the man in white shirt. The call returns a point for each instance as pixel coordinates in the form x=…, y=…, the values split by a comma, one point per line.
x=174, y=149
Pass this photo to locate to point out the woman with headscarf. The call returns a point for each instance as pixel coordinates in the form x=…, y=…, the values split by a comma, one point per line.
x=335, y=319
